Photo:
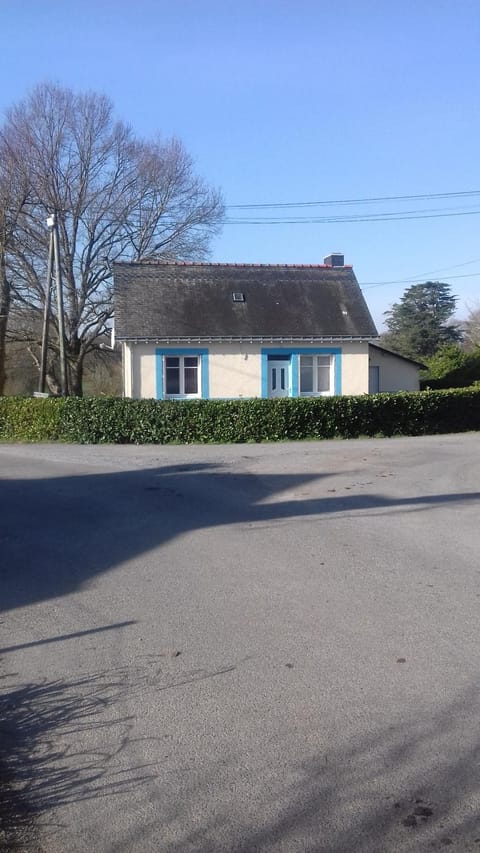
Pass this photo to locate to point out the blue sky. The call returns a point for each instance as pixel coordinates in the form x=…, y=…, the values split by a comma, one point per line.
x=282, y=101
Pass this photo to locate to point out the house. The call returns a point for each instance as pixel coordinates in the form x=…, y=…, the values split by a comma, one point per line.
x=390, y=372
x=229, y=331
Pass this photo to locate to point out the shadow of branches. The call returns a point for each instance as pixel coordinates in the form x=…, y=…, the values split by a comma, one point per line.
x=401, y=788
x=404, y=786
x=40, y=767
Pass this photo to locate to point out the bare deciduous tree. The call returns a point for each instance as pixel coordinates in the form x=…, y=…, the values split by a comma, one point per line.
x=116, y=197
x=13, y=197
x=471, y=326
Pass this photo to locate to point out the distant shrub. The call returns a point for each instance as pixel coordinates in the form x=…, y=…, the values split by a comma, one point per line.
x=452, y=367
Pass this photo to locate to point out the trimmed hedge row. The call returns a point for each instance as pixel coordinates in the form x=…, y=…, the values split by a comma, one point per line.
x=30, y=419
x=116, y=421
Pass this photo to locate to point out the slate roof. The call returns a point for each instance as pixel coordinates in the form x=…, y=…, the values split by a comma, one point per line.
x=178, y=301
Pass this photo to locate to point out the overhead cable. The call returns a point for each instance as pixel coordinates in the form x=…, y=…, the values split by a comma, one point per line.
x=289, y=204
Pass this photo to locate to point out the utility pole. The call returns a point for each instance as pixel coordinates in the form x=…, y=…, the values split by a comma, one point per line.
x=54, y=259
x=46, y=315
x=60, y=314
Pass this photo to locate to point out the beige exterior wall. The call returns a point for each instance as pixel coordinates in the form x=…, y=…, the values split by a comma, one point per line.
x=127, y=370
x=354, y=368
x=395, y=374
x=139, y=370
x=235, y=369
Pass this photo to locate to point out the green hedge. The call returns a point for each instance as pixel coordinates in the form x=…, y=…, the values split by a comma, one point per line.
x=116, y=421
x=30, y=419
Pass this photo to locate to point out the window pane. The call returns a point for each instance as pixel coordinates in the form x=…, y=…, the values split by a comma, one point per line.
x=323, y=374
x=172, y=378
x=172, y=361
x=306, y=374
x=191, y=379
x=191, y=361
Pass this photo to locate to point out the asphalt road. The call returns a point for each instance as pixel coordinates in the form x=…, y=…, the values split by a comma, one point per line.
x=248, y=648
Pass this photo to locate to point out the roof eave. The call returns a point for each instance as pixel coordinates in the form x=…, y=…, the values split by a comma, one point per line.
x=242, y=339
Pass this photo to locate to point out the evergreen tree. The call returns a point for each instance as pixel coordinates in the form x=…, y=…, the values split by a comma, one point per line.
x=419, y=324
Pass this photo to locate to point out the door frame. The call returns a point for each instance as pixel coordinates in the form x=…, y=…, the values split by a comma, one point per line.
x=275, y=355
x=280, y=362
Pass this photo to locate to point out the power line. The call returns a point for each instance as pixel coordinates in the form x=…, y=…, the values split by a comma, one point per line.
x=443, y=269
x=369, y=285
x=417, y=276
x=375, y=217
x=289, y=204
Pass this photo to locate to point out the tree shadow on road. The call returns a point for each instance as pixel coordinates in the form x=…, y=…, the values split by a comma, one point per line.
x=402, y=788
x=40, y=766
x=59, y=533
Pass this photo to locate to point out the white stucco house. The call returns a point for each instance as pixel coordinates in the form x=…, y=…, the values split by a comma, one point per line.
x=230, y=331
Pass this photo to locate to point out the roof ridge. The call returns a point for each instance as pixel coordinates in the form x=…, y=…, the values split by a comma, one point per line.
x=160, y=262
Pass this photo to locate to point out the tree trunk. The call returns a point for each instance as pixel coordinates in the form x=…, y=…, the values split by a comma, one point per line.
x=75, y=378
x=53, y=384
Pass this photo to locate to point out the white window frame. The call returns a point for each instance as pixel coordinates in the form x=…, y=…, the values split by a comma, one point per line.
x=181, y=359
x=315, y=357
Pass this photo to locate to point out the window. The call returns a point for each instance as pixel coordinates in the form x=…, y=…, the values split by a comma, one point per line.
x=181, y=376
x=316, y=375
x=181, y=373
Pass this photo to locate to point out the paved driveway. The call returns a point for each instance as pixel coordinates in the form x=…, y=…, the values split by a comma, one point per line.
x=249, y=648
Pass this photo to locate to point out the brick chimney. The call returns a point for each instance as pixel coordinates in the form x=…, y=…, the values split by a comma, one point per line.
x=334, y=260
